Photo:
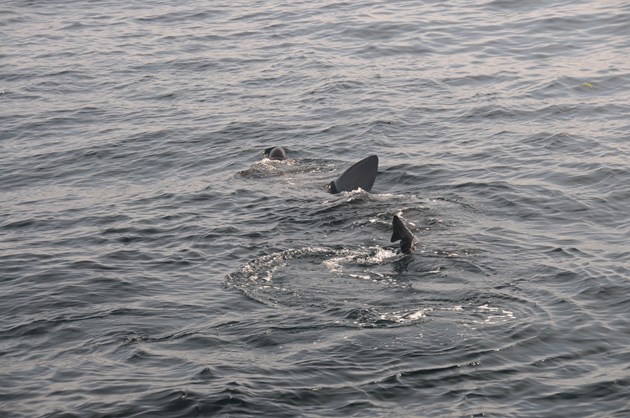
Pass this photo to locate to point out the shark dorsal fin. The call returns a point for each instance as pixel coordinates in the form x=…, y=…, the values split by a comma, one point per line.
x=362, y=174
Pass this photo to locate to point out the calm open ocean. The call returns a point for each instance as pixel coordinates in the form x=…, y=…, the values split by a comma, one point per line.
x=154, y=264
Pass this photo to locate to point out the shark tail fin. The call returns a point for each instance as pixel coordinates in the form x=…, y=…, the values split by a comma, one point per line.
x=402, y=233
x=399, y=229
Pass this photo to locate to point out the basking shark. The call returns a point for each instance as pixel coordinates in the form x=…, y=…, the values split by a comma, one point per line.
x=361, y=174
x=275, y=153
x=402, y=233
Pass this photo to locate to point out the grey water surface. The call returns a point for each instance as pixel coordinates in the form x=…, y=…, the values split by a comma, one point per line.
x=153, y=263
